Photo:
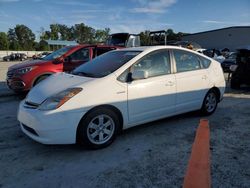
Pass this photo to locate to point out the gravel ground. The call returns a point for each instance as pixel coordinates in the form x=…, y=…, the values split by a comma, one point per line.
x=4, y=68
x=151, y=155
x=4, y=65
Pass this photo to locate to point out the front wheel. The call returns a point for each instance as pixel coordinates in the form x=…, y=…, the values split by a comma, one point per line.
x=98, y=129
x=210, y=103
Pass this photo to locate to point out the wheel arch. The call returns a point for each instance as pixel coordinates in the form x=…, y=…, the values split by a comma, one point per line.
x=38, y=76
x=105, y=106
x=217, y=92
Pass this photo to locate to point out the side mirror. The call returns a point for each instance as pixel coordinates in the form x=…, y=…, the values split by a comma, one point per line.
x=67, y=59
x=140, y=74
x=58, y=60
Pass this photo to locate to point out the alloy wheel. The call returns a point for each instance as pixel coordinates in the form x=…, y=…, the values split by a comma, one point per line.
x=100, y=129
x=210, y=102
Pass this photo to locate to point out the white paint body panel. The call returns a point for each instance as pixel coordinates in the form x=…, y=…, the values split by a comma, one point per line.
x=139, y=102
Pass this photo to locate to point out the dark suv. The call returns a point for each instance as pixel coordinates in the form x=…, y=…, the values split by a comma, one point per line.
x=15, y=57
x=241, y=72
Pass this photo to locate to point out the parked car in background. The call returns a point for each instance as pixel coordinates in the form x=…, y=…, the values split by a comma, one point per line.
x=213, y=53
x=22, y=77
x=118, y=90
x=231, y=60
x=186, y=44
x=41, y=55
x=123, y=40
x=241, y=71
x=15, y=57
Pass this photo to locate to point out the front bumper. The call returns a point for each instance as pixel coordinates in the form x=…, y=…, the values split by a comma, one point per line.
x=16, y=84
x=49, y=127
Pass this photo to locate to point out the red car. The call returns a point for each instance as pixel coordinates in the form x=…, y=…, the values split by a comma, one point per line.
x=22, y=77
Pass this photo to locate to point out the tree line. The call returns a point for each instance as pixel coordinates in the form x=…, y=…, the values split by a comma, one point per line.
x=21, y=37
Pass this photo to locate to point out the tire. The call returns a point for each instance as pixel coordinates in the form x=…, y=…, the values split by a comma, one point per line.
x=92, y=131
x=209, y=103
x=40, y=78
x=235, y=83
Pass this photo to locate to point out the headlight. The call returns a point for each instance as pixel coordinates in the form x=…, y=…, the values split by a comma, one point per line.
x=233, y=68
x=25, y=70
x=59, y=99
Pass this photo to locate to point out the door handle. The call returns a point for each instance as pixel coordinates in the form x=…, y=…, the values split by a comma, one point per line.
x=169, y=83
x=204, y=77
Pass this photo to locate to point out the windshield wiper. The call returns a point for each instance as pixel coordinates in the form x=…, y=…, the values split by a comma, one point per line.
x=84, y=74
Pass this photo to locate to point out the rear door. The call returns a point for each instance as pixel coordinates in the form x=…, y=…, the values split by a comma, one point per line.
x=191, y=80
x=76, y=59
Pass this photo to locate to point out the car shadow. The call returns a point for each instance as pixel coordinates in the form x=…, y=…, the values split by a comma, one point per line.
x=244, y=89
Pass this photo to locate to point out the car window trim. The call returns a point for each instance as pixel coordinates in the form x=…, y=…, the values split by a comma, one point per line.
x=175, y=68
x=75, y=61
x=170, y=62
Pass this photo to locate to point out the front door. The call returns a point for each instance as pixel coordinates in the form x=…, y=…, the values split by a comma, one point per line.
x=153, y=97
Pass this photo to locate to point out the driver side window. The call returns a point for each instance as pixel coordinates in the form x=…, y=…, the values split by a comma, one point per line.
x=80, y=55
x=156, y=63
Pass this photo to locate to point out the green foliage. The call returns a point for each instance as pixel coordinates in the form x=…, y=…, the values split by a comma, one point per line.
x=144, y=37
x=84, y=34
x=101, y=35
x=25, y=37
x=79, y=32
x=41, y=46
x=4, y=43
x=22, y=38
x=171, y=36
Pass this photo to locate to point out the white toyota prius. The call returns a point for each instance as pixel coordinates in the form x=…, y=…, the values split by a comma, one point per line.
x=118, y=90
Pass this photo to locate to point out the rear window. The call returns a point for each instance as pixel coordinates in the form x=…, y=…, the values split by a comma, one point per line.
x=205, y=62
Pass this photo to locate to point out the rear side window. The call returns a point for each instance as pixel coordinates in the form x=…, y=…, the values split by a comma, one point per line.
x=205, y=62
x=186, y=61
x=80, y=55
x=100, y=51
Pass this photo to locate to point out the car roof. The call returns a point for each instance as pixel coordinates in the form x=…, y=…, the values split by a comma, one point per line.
x=146, y=48
x=152, y=48
x=97, y=45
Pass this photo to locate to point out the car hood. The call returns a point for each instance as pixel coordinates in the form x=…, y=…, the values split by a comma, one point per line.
x=27, y=64
x=54, y=84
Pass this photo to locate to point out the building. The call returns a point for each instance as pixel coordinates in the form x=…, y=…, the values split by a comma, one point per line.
x=230, y=37
x=57, y=44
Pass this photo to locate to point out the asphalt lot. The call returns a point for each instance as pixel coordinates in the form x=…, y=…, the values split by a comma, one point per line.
x=4, y=91
x=150, y=155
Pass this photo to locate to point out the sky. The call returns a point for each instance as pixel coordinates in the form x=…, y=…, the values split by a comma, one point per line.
x=131, y=16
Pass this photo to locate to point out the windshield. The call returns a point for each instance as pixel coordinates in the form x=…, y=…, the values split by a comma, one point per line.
x=58, y=53
x=105, y=64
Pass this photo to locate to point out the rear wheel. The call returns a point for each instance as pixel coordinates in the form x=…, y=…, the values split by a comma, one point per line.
x=98, y=129
x=210, y=103
x=235, y=83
